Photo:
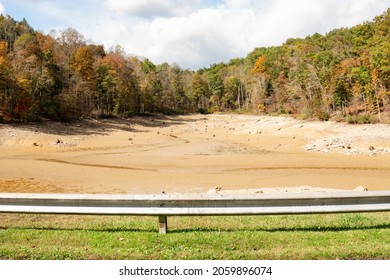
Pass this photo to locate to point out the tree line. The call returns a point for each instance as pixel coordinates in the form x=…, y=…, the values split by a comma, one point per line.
x=344, y=74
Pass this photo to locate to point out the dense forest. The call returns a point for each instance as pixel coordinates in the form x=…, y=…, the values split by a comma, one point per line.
x=343, y=75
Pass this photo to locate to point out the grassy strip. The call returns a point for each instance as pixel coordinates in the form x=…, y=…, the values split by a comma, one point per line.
x=333, y=236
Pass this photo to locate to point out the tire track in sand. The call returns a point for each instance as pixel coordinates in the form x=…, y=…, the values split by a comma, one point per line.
x=96, y=165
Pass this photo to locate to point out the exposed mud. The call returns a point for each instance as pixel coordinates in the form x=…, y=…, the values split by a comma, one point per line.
x=192, y=154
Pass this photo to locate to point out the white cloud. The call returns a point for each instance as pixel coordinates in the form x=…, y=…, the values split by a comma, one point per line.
x=243, y=4
x=197, y=33
x=2, y=10
x=197, y=39
x=235, y=27
x=152, y=8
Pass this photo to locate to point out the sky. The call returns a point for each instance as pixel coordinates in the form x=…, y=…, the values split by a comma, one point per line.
x=192, y=33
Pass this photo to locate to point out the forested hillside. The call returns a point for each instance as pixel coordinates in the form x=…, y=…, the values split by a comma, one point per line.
x=343, y=75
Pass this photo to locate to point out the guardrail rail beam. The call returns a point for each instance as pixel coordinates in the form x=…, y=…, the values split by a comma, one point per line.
x=164, y=205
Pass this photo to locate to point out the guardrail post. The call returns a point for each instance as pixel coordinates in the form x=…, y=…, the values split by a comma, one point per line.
x=162, y=224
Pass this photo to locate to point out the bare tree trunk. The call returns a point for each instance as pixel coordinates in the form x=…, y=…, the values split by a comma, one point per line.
x=238, y=97
x=378, y=108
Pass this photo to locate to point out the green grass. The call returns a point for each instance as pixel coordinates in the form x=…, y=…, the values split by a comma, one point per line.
x=333, y=236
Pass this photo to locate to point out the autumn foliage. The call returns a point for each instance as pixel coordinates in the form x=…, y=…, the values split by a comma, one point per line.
x=344, y=74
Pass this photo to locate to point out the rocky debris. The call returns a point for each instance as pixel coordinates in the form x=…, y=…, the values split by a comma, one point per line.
x=345, y=145
x=379, y=150
x=327, y=144
x=360, y=189
x=298, y=189
x=67, y=144
x=216, y=190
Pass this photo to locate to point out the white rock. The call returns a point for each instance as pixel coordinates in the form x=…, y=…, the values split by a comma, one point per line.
x=360, y=189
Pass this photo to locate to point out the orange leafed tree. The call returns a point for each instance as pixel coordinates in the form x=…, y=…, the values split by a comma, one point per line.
x=83, y=64
x=260, y=66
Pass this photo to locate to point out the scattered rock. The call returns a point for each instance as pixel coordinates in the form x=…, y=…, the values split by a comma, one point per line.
x=328, y=144
x=215, y=190
x=297, y=189
x=351, y=152
x=360, y=189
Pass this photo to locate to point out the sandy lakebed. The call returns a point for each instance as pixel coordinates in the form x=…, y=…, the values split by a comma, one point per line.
x=193, y=154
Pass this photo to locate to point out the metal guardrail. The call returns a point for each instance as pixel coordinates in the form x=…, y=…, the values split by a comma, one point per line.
x=163, y=205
